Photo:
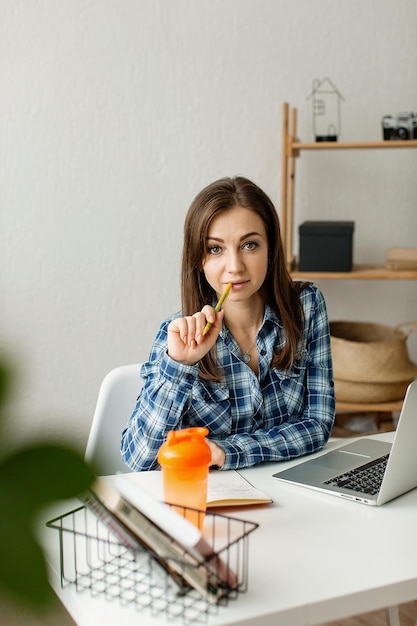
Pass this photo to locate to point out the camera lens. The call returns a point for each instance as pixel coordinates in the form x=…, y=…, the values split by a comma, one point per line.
x=403, y=133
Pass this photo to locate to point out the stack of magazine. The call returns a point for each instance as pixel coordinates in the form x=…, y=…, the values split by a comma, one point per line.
x=140, y=522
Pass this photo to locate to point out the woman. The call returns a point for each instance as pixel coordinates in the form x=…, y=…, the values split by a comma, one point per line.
x=261, y=379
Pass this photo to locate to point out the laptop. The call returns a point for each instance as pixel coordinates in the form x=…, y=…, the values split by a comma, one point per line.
x=349, y=471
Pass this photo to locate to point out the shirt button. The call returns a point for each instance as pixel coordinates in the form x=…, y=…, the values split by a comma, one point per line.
x=263, y=352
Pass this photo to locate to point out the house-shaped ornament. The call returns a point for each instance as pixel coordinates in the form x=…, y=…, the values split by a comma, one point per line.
x=326, y=110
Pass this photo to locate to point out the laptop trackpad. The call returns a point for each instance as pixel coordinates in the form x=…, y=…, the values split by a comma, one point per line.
x=342, y=460
x=329, y=465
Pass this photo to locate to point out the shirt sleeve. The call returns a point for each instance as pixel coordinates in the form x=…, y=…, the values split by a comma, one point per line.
x=310, y=419
x=160, y=406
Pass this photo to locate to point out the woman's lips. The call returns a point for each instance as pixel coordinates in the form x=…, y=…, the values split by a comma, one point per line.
x=239, y=284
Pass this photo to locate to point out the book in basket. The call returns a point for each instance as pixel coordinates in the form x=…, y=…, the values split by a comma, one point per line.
x=177, y=544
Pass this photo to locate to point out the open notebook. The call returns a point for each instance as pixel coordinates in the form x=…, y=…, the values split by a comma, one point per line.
x=227, y=488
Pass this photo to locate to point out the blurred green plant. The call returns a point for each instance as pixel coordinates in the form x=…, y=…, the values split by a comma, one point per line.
x=31, y=478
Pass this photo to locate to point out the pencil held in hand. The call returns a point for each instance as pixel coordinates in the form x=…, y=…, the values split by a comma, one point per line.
x=218, y=306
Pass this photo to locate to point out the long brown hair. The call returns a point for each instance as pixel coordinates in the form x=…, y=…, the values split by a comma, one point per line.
x=278, y=290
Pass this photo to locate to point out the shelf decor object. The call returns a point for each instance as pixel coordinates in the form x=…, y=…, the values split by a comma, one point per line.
x=326, y=110
x=371, y=361
x=326, y=246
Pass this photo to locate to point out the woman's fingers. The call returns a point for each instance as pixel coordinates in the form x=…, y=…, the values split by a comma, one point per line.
x=184, y=328
x=209, y=314
x=186, y=342
x=191, y=327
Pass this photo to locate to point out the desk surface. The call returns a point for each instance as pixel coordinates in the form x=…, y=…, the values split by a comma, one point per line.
x=313, y=559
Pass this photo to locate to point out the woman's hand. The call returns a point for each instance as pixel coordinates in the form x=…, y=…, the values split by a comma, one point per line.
x=217, y=454
x=186, y=343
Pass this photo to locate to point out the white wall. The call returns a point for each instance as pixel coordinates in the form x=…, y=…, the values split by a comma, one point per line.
x=114, y=114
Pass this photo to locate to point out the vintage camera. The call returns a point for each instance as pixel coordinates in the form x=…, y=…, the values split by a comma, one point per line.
x=401, y=126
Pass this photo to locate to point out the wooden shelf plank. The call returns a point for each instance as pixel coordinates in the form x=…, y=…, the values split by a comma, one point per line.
x=369, y=407
x=359, y=272
x=295, y=145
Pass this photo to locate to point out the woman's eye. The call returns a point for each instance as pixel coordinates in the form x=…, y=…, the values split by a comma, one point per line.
x=214, y=250
x=250, y=245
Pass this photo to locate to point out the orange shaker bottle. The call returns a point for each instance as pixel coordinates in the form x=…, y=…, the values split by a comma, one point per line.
x=185, y=458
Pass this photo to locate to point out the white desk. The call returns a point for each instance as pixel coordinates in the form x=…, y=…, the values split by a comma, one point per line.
x=313, y=559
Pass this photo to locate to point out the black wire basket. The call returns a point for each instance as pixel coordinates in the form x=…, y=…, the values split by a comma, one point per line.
x=96, y=559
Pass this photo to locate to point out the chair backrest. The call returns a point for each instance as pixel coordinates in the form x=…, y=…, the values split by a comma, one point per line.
x=116, y=401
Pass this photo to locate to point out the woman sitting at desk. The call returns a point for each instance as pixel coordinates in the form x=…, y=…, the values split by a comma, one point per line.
x=261, y=378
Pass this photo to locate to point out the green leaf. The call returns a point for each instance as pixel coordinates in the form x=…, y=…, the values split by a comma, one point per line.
x=30, y=479
x=4, y=382
x=43, y=473
x=23, y=574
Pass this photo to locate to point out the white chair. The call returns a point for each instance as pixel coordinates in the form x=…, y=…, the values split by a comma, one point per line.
x=116, y=401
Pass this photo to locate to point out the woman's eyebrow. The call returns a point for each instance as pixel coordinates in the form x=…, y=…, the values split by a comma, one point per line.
x=251, y=234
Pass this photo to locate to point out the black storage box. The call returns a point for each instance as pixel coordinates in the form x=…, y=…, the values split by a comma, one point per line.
x=326, y=246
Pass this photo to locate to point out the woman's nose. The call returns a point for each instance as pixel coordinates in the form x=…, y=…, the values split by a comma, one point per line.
x=234, y=262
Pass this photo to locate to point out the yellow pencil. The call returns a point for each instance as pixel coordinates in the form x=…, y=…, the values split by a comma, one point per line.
x=218, y=306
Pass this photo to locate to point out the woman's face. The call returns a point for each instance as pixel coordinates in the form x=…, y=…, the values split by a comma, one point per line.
x=236, y=252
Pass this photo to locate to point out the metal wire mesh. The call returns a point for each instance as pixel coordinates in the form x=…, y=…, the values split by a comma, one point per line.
x=94, y=560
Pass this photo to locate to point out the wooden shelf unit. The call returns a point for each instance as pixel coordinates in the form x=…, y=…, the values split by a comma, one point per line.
x=291, y=148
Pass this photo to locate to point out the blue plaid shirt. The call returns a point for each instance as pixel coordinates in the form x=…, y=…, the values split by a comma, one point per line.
x=276, y=416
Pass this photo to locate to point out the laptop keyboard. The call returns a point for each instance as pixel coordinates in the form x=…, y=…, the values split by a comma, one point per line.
x=365, y=478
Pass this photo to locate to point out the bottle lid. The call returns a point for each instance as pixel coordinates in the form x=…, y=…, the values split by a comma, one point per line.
x=185, y=448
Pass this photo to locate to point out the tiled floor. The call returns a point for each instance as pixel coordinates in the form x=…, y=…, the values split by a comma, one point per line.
x=408, y=617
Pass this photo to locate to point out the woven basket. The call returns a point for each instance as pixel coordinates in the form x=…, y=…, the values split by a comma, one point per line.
x=371, y=361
